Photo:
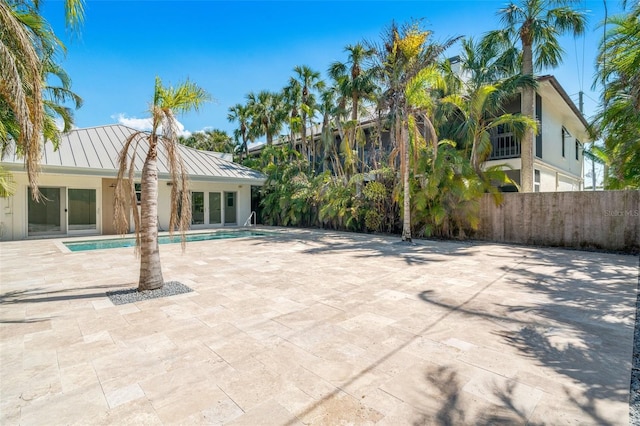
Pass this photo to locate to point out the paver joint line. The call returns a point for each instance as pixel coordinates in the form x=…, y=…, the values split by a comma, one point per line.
x=320, y=327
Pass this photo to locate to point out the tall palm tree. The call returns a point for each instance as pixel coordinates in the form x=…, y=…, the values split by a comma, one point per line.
x=27, y=43
x=536, y=26
x=403, y=54
x=167, y=101
x=241, y=114
x=618, y=120
x=330, y=109
x=309, y=82
x=354, y=81
x=478, y=106
x=291, y=95
x=267, y=114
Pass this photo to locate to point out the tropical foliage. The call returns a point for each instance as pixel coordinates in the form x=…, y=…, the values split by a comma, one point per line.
x=210, y=140
x=618, y=122
x=398, y=139
x=534, y=26
x=30, y=103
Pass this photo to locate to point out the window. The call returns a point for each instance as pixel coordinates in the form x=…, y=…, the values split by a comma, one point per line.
x=197, y=208
x=577, y=149
x=138, y=188
x=565, y=135
x=536, y=181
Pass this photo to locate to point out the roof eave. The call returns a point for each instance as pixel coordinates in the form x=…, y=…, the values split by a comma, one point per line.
x=112, y=174
x=565, y=97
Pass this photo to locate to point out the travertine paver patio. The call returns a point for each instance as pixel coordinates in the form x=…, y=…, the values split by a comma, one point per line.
x=313, y=327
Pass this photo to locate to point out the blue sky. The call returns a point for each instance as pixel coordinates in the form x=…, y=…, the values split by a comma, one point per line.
x=232, y=48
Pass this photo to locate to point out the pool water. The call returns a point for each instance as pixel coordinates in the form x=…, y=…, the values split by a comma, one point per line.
x=131, y=242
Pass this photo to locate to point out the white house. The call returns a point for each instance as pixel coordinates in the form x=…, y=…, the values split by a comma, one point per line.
x=78, y=180
x=558, y=147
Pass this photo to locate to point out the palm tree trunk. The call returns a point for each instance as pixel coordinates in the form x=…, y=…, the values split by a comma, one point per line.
x=150, y=269
x=406, y=223
x=528, y=110
x=354, y=119
x=304, y=149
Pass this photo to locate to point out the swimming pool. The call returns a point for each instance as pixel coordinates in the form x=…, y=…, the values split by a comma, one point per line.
x=165, y=239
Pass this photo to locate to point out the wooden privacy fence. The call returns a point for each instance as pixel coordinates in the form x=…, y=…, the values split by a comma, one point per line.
x=608, y=220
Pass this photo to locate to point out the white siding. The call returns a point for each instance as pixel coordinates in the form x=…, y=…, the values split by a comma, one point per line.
x=552, y=123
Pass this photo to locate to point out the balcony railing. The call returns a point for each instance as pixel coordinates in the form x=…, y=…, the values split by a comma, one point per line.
x=504, y=145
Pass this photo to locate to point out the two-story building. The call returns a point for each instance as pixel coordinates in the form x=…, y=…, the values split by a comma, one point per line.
x=558, y=146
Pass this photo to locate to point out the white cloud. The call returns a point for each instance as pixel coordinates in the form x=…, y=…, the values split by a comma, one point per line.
x=182, y=131
x=145, y=124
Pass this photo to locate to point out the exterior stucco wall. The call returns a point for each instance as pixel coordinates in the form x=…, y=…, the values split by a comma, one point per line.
x=243, y=201
x=553, y=180
x=553, y=119
x=13, y=218
x=14, y=210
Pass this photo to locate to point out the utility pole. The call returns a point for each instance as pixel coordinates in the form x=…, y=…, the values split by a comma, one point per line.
x=593, y=159
x=581, y=101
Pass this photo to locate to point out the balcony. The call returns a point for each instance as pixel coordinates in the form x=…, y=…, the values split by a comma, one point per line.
x=504, y=145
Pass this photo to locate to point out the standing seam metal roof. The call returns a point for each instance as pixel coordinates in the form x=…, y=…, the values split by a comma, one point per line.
x=98, y=148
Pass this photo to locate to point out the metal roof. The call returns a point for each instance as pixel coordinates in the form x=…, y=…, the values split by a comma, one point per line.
x=95, y=151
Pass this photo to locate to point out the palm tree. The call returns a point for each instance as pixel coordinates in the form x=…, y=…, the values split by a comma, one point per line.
x=27, y=48
x=403, y=54
x=619, y=117
x=241, y=114
x=309, y=82
x=327, y=107
x=536, y=26
x=166, y=102
x=354, y=81
x=291, y=95
x=478, y=105
x=267, y=114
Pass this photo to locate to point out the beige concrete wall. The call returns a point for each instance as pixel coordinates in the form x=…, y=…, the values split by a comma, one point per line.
x=607, y=220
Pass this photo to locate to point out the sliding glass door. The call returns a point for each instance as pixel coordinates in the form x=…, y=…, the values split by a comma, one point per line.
x=62, y=211
x=45, y=215
x=82, y=210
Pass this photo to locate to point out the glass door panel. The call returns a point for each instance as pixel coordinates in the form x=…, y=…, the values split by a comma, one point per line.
x=44, y=215
x=82, y=209
x=197, y=208
x=230, y=208
x=215, y=208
